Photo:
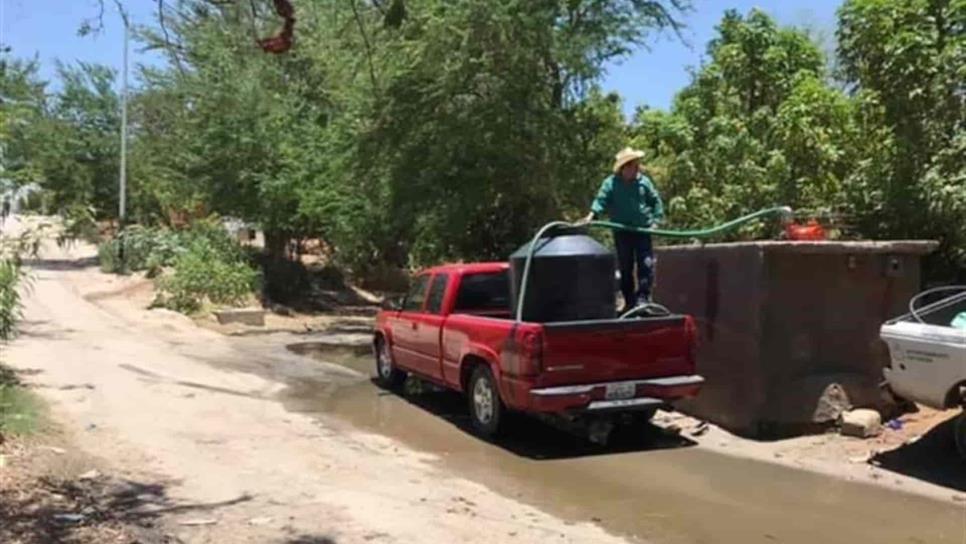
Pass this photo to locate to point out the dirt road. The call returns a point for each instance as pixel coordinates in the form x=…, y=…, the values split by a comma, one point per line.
x=257, y=443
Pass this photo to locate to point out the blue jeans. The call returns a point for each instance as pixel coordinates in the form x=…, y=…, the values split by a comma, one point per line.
x=634, y=248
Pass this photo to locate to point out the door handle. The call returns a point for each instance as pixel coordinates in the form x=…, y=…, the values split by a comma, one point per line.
x=415, y=325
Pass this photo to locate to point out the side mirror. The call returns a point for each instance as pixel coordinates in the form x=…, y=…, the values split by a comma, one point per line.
x=392, y=304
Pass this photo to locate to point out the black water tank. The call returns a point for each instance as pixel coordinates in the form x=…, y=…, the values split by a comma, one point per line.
x=571, y=278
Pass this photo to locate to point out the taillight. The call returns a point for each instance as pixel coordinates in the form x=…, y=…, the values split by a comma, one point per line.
x=532, y=352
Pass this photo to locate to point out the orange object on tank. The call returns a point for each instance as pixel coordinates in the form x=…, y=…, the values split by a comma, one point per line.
x=811, y=231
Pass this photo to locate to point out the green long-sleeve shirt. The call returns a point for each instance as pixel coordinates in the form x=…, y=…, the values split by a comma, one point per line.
x=634, y=203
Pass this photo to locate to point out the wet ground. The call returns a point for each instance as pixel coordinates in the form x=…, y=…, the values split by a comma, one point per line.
x=650, y=485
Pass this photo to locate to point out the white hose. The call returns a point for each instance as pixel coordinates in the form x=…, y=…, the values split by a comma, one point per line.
x=938, y=305
x=654, y=308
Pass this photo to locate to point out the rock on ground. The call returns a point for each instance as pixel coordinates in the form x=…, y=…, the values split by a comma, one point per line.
x=862, y=423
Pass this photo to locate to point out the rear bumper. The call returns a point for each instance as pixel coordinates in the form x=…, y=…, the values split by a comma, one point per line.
x=648, y=394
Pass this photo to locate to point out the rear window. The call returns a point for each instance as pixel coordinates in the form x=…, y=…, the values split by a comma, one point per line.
x=484, y=292
x=436, y=293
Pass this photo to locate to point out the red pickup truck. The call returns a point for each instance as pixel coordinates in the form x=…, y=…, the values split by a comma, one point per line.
x=454, y=329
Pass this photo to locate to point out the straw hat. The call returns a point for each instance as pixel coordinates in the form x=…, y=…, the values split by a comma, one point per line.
x=625, y=156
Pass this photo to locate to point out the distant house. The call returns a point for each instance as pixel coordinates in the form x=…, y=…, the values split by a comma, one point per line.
x=244, y=232
x=13, y=198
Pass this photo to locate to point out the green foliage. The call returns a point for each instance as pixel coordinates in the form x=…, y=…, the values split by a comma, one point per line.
x=407, y=132
x=757, y=127
x=153, y=248
x=212, y=233
x=403, y=136
x=144, y=249
x=80, y=223
x=206, y=264
x=23, y=109
x=944, y=183
x=483, y=121
x=204, y=274
x=10, y=275
x=908, y=59
x=19, y=409
x=78, y=143
x=13, y=275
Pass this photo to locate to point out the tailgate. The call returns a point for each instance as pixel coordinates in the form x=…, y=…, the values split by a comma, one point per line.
x=610, y=350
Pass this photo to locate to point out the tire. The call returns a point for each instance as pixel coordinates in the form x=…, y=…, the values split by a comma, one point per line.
x=959, y=434
x=486, y=407
x=387, y=375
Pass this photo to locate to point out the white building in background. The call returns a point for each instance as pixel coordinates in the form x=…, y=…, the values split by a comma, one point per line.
x=244, y=232
x=12, y=198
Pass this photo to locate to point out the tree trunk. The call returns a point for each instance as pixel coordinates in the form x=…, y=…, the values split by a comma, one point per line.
x=276, y=244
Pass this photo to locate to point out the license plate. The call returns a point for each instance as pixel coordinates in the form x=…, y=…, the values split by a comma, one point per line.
x=618, y=391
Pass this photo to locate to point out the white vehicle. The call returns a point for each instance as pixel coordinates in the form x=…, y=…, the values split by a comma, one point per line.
x=928, y=355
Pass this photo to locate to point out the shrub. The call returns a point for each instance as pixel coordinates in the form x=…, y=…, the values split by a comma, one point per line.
x=144, y=249
x=10, y=275
x=19, y=408
x=153, y=248
x=13, y=250
x=209, y=265
x=216, y=236
x=204, y=274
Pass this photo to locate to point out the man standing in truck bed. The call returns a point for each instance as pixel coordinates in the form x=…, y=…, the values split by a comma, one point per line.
x=629, y=197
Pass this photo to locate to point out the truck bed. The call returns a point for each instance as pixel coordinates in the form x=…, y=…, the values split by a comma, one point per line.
x=615, y=349
x=652, y=356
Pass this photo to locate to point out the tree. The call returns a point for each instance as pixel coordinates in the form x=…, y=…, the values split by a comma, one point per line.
x=232, y=130
x=757, y=127
x=402, y=134
x=906, y=59
x=412, y=131
x=483, y=119
x=77, y=146
x=23, y=101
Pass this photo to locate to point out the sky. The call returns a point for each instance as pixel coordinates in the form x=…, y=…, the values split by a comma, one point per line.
x=650, y=76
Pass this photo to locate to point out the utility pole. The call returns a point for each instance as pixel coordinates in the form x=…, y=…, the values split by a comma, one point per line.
x=122, y=198
x=122, y=202
x=4, y=189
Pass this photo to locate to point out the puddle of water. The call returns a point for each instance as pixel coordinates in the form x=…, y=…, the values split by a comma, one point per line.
x=652, y=487
x=358, y=358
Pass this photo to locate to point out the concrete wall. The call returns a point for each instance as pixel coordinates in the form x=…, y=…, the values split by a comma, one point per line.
x=779, y=322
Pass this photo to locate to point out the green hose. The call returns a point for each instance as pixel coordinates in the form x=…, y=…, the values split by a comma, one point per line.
x=784, y=211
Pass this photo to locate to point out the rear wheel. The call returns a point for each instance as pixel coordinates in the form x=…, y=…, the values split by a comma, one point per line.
x=387, y=374
x=486, y=408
